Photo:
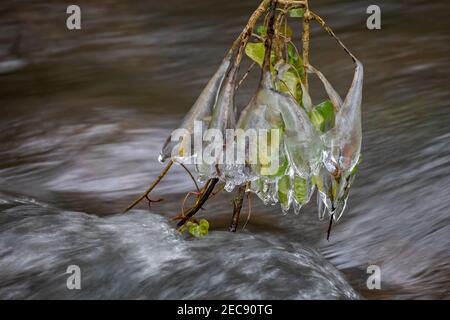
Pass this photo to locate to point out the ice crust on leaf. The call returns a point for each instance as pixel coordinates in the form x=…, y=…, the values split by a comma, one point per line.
x=223, y=118
x=201, y=111
x=344, y=140
x=318, y=146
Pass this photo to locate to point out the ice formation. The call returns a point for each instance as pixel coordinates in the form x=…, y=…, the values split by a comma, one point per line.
x=306, y=157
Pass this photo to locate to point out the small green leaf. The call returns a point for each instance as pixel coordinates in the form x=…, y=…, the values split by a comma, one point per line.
x=198, y=230
x=261, y=30
x=281, y=168
x=194, y=230
x=284, y=185
x=204, y=227
x=296, y=13
x=326, y=109
x=289, y=83
x=317, y=180
x=322, y=116
x=255, y=51
x=316, y=119
x=300, y=189
x=295, y=60
x=204, y=223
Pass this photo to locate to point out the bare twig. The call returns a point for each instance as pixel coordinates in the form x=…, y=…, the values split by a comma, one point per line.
x=150, y=189
x=331, y=33
x=201, y=201
x=237, y=206
x=305, y=40
x=293, y=3
x=329, y=227
x=245, y=75
x=192, y=177
x=249, y=203
x=248, y=29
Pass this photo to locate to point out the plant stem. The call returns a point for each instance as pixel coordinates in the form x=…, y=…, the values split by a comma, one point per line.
x=329, y=227
x=331, y=33
x=190, y=175
x=305, y=41
x=150, y=189
x=248, y=29
x=237, y=206
x=201, y=201
x=268, y=43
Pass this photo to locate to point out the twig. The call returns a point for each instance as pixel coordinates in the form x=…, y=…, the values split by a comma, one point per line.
x=331, y=33
x=150, y=189
x=268, y=43
x=248, y=29
x=293, y=3
x=198, y=194
x=192, y=177
x=329, y=227
x=201, y=201
x=289, y=90
x=305, y=40
x=249, y=203
x=237, y=206
x=245, y=75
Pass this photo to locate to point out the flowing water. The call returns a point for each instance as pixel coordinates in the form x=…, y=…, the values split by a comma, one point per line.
x=84, y=113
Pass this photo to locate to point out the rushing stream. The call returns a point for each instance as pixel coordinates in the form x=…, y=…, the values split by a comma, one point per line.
x=84, y=113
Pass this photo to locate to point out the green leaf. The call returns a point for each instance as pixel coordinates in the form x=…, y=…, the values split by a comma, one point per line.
x=296, y=61
x=289, y=83
x=316, y=119
x=198, y=230
x=326, y=109
x=296, y=13
x=300, y=189
x=281, y=169
x=284, y=185
x=204, y=223
x=194, y=230
x=261, y=30
x=317, y=180
x=322, y=116
x=204, y=227
x=255, y=51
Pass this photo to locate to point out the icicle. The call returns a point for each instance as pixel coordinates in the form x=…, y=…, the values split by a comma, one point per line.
x=223, y=117
x=345, y=138
x=285, y=193
x=320, y=207
x=200, y=111
x=302, y=142
x=306, y=99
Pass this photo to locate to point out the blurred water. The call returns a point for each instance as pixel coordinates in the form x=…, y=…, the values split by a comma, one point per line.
x=83, y=114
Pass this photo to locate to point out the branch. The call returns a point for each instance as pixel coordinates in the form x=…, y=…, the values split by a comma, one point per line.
x=150, y=189
x=201, y=201
x=237, y=206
